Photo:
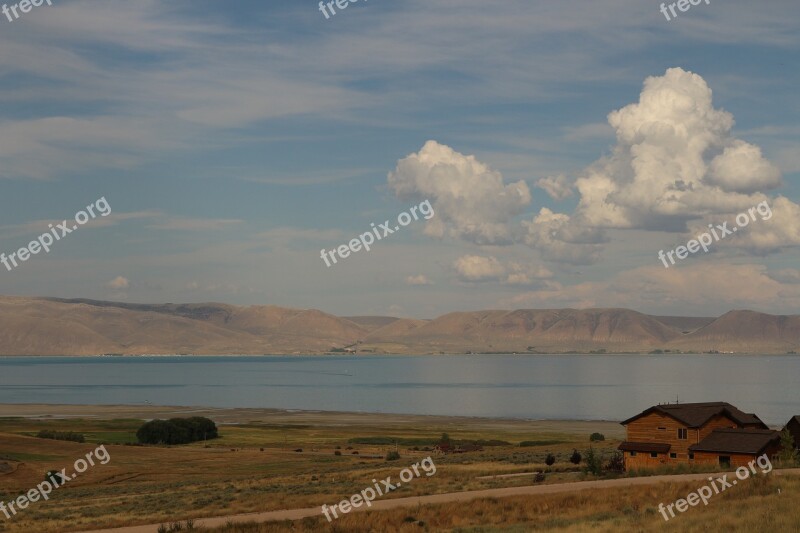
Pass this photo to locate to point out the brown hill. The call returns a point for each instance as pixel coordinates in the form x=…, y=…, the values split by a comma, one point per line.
x=42, y=326
x=746, y=331
x=539, y=330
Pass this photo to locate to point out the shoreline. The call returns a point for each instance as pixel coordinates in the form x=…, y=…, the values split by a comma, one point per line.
x=390, y=354
x=245, y=415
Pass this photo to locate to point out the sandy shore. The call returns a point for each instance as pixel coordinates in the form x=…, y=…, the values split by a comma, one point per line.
x=315, y=418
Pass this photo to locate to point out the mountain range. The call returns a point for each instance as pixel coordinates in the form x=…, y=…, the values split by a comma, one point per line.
x=52, y=326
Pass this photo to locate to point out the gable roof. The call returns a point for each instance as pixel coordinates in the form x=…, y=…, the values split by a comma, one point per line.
x=726, y=440
x=695, y=415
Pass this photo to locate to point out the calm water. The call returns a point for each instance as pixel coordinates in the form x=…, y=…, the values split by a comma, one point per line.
x=589, y=387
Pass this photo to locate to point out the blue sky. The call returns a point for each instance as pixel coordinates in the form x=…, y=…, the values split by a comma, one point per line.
x=234, y=141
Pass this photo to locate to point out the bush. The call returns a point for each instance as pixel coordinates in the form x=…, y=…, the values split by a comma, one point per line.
x=177, y=431
x=392, y=456
x=54, y=477
x=575, y=458
x=550, y=460
x=337, y=452
x=61, y=435
x=788, y=455
x=594, y=437
x=616, y=463
x=539, y=477
x=593, y=464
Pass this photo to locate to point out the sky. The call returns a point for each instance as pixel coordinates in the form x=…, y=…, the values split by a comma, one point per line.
x=561, y=146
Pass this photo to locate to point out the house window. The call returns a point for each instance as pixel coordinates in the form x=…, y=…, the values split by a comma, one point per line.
x=683, y=433
x=653, y=454
x=691, y=456
x=662, y=429
x=633, y=454
x=673, y=456
x=724, y=460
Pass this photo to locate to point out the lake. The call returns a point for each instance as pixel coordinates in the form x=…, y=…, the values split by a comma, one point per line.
x=568, y=387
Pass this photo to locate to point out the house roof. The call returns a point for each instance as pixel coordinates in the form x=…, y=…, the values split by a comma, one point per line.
x=659, y=447
x=727, y=440
x=695, y=415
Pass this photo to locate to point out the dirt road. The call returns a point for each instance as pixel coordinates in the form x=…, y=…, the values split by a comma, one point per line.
x=532, y=490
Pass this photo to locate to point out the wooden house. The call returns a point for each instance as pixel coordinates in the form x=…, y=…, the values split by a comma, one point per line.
x=671, y=433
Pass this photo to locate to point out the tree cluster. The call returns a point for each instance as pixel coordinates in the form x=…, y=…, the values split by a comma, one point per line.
x=177, y=431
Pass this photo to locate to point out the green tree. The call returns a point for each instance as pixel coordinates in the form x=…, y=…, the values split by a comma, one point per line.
x=575, y=458
x=177, y=431
x=789, y=455
x=593, y=463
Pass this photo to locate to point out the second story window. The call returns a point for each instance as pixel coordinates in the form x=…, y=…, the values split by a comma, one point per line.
x=683, y=433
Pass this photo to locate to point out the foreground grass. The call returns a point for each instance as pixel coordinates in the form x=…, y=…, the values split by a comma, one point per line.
x=766, y=503
x=254, y=467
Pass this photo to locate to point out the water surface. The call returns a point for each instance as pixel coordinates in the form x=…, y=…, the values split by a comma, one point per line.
x=584, y=387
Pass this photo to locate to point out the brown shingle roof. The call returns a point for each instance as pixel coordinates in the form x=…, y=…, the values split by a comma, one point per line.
x=695, y=415
x=659, y=447
x=750, y=441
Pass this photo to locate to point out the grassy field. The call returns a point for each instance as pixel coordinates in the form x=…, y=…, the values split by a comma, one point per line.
x=256, y=466
x=765, y=504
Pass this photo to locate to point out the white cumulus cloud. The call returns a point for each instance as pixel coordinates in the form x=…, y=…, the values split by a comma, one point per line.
x=471, y=200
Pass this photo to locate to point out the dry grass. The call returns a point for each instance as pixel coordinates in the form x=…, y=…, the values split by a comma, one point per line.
x=151, y=484
x=752, y=506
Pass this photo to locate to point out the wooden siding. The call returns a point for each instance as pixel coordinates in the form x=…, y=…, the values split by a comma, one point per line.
x=737, y=459
x=643, y=460
x=645, y=429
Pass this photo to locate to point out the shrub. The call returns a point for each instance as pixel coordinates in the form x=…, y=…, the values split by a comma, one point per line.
x=788, y=454
x=54, y=477
x=337, y=452
x=575, y=458
x=177, y=431
x=550, y=460
x=539, y=477
x=392, y=456
x=61, y=435
x=593, y=463
x=594, y=437
x=616, y=463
